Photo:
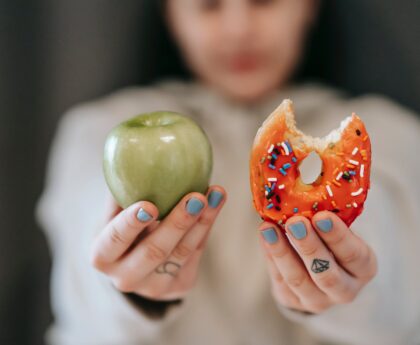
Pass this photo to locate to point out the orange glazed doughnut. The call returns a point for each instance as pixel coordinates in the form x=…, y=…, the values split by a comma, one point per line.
x=278, y=149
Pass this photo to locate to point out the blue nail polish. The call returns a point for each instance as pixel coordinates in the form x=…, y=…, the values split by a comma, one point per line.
x=324, y=225
x=270, y=235
x=194, y=206
x=143, y=216
x=215, y=198
x=298, y=230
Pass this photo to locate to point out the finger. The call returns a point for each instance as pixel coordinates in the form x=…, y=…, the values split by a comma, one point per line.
x=353, y=254
x=111, y=208
x=158, y=245
x=291, y=268
x=191, y=241
x=120, y=233
x=279, y=288
x=319, y=262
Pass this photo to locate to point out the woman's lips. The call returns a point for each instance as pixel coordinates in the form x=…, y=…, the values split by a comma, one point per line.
x=243, y=63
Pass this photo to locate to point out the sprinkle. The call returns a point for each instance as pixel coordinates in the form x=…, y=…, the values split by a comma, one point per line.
x=285, y=148
x=288, y=146
x=283, y=172
x=265, y=192
x=270, y=195
x=276, y=150
x=262, y=159
x=282, y=152
x=354, y=151
x=338, y=184
x=281, y=186
x=271, y=179
x=333, y=203
x=278, y=198
x=272, y=161
x=362, y=170
x=339, y=175
x=365, y=138
x=271, y=148
x=324, y=196
x=351, y=166
x=277, y=208
x=307, y=214
x=348, y=205
x=270, y=205
x=274, y=155
x=315, y=205
x=286, y=166
x=278, y=144
x=295, y=210
x=346, y=176
x=339, y=153
x=266, y=188
x=273, y=186
x=358, y=132
x=269, y=157
x=271, y=166
x=330, y=193
x=352, y=172
x=358, y=192
x=280, y=222
x=294, y=159
x=335, y=171
x=354, y=205
x=353, y=162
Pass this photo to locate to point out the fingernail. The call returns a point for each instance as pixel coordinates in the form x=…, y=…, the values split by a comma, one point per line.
x=324, y=225
x=270, y=235
x=298, y=230
x=215, y=198
x=143, y=216
x=194, y=206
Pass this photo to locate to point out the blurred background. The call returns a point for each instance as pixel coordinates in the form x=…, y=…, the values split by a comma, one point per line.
x=54, y=54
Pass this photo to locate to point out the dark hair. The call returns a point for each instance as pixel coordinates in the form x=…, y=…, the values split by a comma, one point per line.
x=162, y=59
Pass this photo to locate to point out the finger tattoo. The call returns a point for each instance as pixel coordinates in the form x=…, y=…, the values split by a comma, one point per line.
x=168, y=267
x=319, y=265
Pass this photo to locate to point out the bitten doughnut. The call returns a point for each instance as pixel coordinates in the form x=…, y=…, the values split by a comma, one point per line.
x=278, y=149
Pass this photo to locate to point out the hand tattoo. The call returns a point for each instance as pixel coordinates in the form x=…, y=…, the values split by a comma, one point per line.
x=319, y=265
x=168, y=267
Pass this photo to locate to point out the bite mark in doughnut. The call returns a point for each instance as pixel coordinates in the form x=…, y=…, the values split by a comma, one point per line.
x=279, y=148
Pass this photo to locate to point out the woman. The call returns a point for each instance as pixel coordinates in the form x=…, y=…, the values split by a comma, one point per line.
x=202, y=276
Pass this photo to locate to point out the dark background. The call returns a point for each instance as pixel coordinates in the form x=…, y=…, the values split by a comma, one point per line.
x=56, y=53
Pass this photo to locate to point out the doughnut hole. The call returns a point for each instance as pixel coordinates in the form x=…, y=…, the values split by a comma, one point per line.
x=310, y=168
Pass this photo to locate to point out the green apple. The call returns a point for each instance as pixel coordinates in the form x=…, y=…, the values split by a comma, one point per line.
x=158, y=157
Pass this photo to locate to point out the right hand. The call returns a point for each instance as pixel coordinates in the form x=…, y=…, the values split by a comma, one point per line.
x=155, y=259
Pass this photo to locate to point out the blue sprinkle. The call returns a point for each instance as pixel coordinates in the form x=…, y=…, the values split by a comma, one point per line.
x=286, y=166
x=295, y=210
x=267, y=188
x=352, y=172
x=283, y=172
x=288, y=146
x=274, y=155
x=273, y=186
x=294, y=159
x=270, y=205
x=271, y=166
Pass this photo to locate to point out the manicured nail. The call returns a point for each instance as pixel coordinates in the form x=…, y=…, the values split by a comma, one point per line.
x=215, y=198
x=324, y=225
x=143, y=216
x=298, y=230
x=194, y=206
x=270, y=235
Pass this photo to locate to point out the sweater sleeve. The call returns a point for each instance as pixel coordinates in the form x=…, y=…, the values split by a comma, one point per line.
x=87, y=308
x=387, y=309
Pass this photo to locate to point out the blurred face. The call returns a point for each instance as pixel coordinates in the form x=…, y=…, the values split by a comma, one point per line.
x=243, y=48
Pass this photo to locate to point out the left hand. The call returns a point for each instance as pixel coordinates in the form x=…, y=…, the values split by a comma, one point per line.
x=329, y=266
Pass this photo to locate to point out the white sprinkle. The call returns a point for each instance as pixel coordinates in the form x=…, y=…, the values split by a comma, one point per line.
x=272, y=179
x=285, y=148
x=265, y=192
x=362, y=170
x=339, y=175
x=354, y=151
x=271, y=148
x=281, y=186
x=353, y=162
x=358, y=192
x=354, y=205
x=330, y=193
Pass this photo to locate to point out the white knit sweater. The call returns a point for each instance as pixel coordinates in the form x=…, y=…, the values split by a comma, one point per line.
x=231, y=303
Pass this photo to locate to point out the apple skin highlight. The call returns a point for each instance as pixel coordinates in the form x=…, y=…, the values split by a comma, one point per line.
x=157, y=157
